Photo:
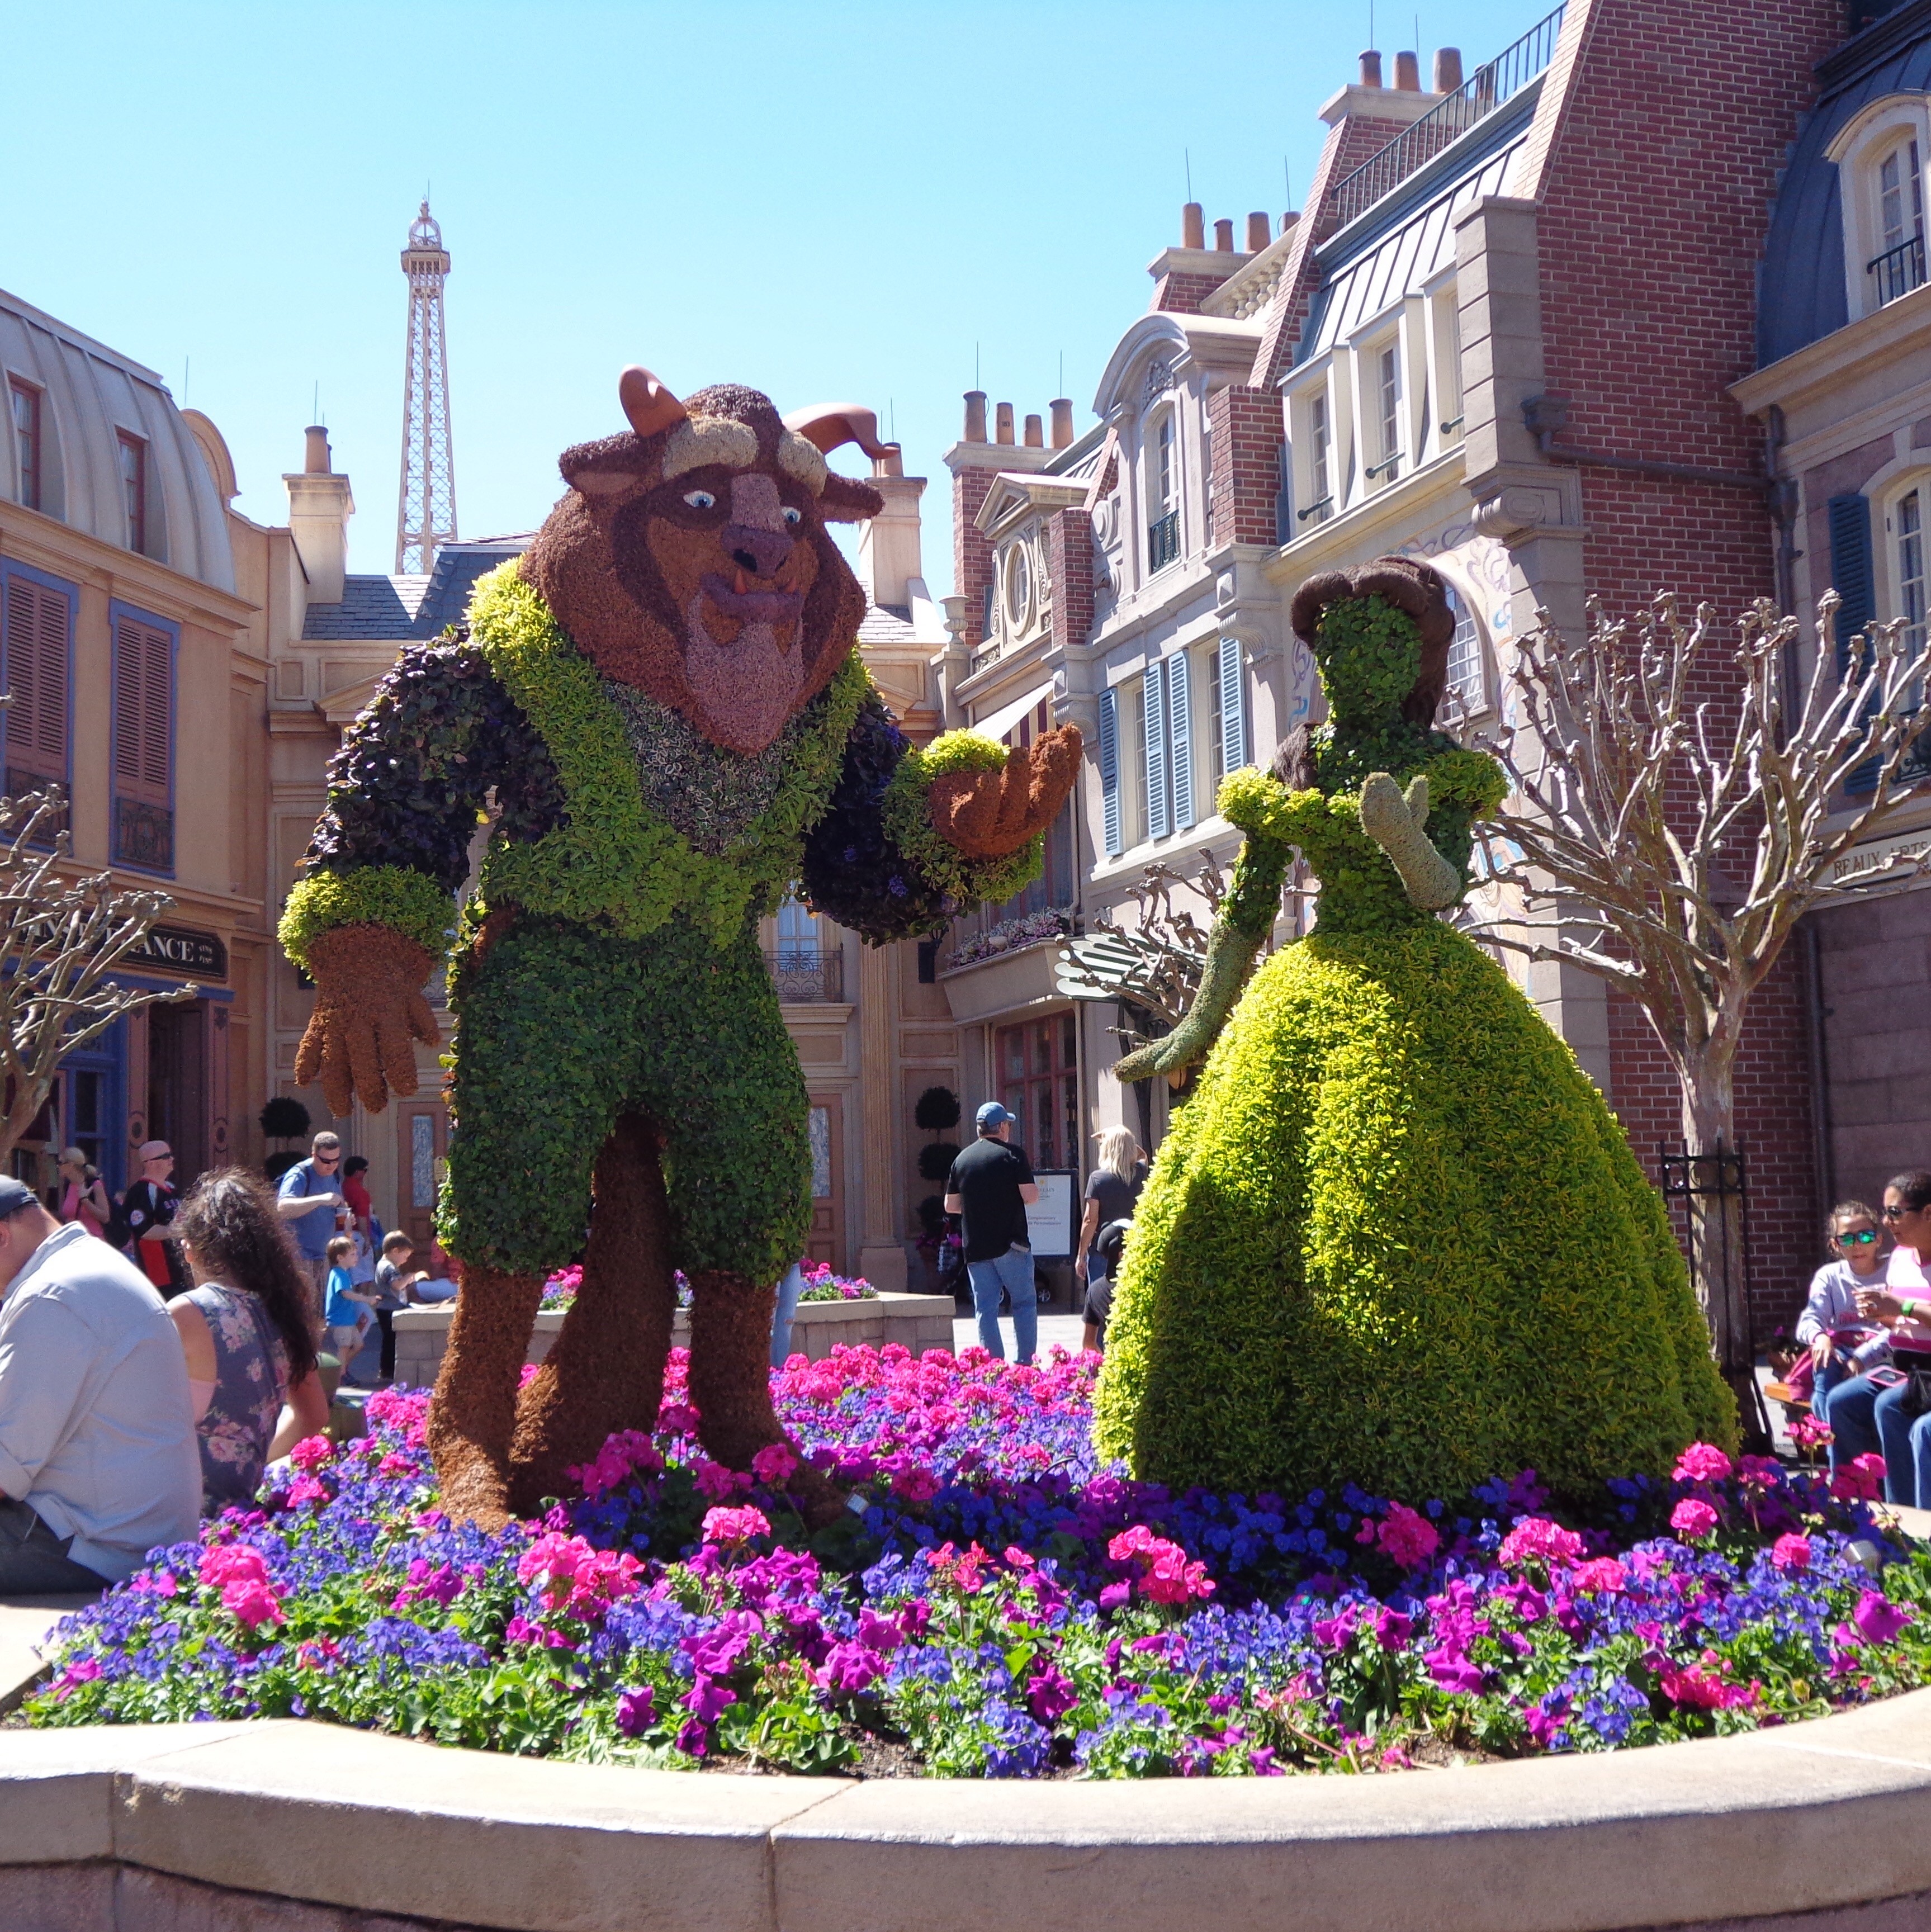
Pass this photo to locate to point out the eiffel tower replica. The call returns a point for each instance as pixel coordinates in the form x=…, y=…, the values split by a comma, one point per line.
x=426, y=506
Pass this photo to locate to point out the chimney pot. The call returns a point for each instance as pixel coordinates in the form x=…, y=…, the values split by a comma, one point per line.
x=1448, y=70
x=1257, y=236
x=1370, y=67
x=1193, y=234
x=1407, y=73
x=1223, y=237
x=891, y=463
x=975, y=415
x=315, y=460
x=1289, y=219
x=1002, y=417
x=1036, y=433
x=1063, y=423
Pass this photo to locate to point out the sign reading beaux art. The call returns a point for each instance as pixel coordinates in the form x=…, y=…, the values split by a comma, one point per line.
x=180, y=949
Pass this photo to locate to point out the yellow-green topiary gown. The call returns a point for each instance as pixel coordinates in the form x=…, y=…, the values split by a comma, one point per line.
x=1395, y=1237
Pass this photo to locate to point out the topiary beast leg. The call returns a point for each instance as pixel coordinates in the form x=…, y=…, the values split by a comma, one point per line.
x=730, y=1383
x=474, y=1412
x=606, y=1372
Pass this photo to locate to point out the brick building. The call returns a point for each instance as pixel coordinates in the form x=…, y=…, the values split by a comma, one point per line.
x=1508, y=332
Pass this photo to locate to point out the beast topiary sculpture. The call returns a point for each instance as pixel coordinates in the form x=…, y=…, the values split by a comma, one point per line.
x=1395, y=1237
x=662, y=707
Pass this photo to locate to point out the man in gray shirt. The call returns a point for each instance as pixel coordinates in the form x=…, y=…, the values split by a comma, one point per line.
x=98, y=1460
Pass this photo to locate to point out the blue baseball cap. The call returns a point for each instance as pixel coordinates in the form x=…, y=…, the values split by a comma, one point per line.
x=992, y=1115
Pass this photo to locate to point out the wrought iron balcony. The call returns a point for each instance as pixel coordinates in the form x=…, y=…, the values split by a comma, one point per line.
x=143, y=835
x=805, y=976
x=1477, y=97
x=1163, y=542
x=1897, y=271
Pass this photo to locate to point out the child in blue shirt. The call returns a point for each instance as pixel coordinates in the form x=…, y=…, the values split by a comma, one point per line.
x=347, y=1312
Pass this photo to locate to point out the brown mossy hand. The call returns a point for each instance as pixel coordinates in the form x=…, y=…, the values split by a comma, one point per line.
x=369, y=1013
x=987, y=815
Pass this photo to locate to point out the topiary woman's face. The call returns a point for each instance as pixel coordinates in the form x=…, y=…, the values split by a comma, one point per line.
x=1369, y=655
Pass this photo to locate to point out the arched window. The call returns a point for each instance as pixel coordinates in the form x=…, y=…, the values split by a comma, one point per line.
x=1467, y=692
x=1881, y=157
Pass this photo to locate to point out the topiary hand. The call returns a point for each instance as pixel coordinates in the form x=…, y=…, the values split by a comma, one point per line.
x=987, y=815
x=369, y=1013
x=1397, y=822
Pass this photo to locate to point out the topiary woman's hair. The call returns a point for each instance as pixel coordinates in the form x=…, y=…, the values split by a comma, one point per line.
x=229, y=1219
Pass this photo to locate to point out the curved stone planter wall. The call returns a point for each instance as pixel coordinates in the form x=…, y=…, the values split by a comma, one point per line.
x=1821, y=1828
x=919, y=1322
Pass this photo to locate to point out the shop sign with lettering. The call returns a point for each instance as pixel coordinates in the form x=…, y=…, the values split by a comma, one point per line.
x=180, y=949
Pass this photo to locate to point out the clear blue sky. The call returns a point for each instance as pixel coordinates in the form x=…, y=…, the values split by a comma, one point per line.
x=824, y=201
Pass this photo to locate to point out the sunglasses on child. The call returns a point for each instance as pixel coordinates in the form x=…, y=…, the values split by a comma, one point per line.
x=1858, y=1237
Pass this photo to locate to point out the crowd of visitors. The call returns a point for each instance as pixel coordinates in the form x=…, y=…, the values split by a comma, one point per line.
x=1867, y=1326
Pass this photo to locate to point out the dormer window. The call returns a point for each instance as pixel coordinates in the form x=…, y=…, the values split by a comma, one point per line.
x=1385, y=373
x=1163, y=517
x=1899, y=266
x=26, y=405
x=134, y=489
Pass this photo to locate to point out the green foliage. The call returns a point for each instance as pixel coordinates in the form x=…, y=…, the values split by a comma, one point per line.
x=284, y=1118
x=560, y=1028
x=909, y=824
x=395, y=896
x=935, y=1162
x=936, y=1109
x=1396, y=1236
x=614, y=861
x=1369, y=653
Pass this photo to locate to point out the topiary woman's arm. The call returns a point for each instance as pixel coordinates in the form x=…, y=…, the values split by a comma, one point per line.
x=1398, y=823
x=1272, y=816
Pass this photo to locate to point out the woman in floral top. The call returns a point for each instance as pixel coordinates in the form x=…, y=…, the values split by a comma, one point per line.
x=244, y=1330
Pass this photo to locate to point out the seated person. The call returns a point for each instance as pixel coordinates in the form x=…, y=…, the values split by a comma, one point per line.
x=1853, y=1410
x=444, y=1278
x=98, y=1463
x=1843, y=1344
x=346, y=1313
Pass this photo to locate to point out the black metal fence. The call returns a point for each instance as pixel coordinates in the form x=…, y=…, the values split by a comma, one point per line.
x=1477, y=97
x=1897, y=271
x=1708, y=1196
x=804, y=976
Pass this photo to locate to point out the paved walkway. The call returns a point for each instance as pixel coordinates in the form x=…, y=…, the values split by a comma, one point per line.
x=1066, y=1330
x=24, y=1625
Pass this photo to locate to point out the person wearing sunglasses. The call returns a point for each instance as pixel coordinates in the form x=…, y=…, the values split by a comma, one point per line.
x=1843, y=1343
x=1902, y=1427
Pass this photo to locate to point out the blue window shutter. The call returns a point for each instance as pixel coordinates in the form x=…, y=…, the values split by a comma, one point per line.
x=1233, y=707
x=1180, y=756
x=1109, y=768
x=1851, y=574
x=1153, y=717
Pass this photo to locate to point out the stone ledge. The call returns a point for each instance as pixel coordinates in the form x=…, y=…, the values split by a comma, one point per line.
x=1756, y=1832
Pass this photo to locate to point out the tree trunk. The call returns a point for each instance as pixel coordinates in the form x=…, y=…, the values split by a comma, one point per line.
x=1714, y=1221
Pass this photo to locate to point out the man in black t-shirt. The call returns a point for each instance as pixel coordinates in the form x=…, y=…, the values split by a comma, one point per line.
x=989, y=1189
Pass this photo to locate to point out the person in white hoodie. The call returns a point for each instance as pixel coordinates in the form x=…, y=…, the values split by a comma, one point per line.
x=98, y=1461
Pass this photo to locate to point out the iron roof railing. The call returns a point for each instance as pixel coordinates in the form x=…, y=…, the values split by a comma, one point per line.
x=1478, y=97
x=1897, y=271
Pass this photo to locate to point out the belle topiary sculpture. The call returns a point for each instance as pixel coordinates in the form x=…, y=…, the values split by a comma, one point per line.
x=663, y=704
x=1395, y=1237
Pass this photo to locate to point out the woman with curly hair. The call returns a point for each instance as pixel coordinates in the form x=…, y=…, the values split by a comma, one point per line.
x=244, y=1328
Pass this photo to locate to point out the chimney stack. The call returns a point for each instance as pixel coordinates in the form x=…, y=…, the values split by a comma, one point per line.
x=1448, y=70
x=1036, y=433
x=1193, y=234
x=1002, y=417
x=1289, y=219
x=1257, y=236
x=1223, y=237
x=315, y=460
x=1370, y=68
x=319, y=507
x=1063, y=423
x=1407, y=72
x=975, y=415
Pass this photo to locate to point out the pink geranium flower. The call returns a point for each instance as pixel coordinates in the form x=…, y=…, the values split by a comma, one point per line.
x=1407, y=1536
x=1693, y=1519
x=731, y=1527
x=251, y=1604
x=311, y=1452
x=226, y=1563
x=1791, y=1552
x=1702, y=1462
x=1535, y=1537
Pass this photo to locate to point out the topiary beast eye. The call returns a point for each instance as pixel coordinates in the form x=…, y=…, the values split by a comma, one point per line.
x=700, y=499
x=793, y=516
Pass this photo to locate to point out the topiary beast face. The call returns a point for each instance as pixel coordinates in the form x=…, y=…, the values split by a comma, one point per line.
x=690, y=558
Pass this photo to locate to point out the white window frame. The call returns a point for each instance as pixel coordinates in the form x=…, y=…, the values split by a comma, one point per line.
x=1384, y=424
x=1888, y=537
x=1468, y=606
x=1441, y=314
x=1317, y=499
x=1859, y=150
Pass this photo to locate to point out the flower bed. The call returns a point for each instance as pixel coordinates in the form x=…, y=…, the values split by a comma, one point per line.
x=1002, y=1608
x=1013, y=935
x=821, y=1284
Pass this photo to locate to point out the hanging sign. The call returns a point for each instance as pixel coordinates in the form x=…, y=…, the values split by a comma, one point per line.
x=180, y=949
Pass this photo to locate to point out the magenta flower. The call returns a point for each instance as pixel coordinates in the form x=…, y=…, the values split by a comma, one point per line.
x=733, y=1527
x=1702, y=1462
x=1453, y=1670
x=1860, y=1480
x=311, y=1452
x=1535, y=1538
x=774, y=1465
x=693, y=1739
x=1408, y=1536
x=1791, y=1552
x=1603, y=1574
x=707, y=1699
x=1877, y=1619
x=1050, y=1695
x=1693, y=1519
x=636, y=1710
x=251, y=1604
x=851, y=1667
x=1392, y=1628
x=226, y=1563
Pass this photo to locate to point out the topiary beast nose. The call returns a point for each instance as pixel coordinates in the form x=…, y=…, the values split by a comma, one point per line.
x=759, y=551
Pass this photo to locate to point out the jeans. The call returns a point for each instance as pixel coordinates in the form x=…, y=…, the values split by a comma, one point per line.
x=33, y=1561
x=1847, y=1409
x=1907, y=1449
x=1013, y=1272
x=782, y=1312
